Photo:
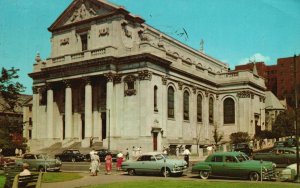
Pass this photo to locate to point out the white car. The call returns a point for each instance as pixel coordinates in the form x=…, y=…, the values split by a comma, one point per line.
x=289, y=173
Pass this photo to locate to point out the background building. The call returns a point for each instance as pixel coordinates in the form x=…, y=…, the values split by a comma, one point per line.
x=114, y=79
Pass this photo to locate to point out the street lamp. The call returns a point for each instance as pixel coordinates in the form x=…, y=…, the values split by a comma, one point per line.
x=265, y=115
x=297, y=179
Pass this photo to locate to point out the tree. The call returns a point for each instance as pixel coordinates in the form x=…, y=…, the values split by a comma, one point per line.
x=284, y=124
x=10, y=89
x=217, y=135
x=239, y=137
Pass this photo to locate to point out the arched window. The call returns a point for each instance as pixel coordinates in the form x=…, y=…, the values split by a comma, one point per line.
x=170, y=102
x=211, y=110
x=155, y=99
x=199, y=108
x=186, y=104
x=229, y=111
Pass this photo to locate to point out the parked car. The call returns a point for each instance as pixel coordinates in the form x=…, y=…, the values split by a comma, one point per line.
x=102, y=154
x=245, y=148
x=289, y=173
x=154, y=163
x=280, y=155
x=234, y=165
x=39, y=162
x=6, y=161
x=72, y=155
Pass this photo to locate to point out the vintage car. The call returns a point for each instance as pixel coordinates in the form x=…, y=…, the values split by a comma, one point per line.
x=234, y=165
x=6, y=161
x=39, y=162
x=154, y=163
x=245, y=148
x=102, y=154
x=281, y=156
x=72, y=155
x=289, y=173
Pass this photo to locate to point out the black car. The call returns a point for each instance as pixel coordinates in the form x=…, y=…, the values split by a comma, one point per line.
x=72, y=155
x=244, y=147
x=102, y=154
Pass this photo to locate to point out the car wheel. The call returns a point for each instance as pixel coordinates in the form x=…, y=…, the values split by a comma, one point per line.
x=254, y=176
x=165, y=172
x=41, y=169
x=131, y=172
x=73, y=160
x=204, y=174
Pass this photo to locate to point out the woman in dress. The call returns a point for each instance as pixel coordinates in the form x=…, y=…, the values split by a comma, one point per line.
x=95, y=161
x=108, y=163
x=119, y=161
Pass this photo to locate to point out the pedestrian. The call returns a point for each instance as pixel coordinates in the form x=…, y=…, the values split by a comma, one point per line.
x=91, y=141
x=165, y=151
x=127, y=154
x=17, y=152
x=209, y=149
x=20, y=152
x=177, y=151
x=108, y=163
x=119, y=161
x=186, y=154
x=95, y=162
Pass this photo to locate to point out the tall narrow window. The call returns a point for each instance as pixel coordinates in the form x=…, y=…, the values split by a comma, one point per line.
x=84, y=42
x=211, y=110
x=155, y=99
x=229, y=111
x=186, y=104
x=170, y=102
x=199, y=108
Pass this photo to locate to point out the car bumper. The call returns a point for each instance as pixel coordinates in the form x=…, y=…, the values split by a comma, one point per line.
x=57, y=168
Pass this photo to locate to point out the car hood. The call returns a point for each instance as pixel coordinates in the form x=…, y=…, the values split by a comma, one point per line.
x=176, y=161
x=267, y=164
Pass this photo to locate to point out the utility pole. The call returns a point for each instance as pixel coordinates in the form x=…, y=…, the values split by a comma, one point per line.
x=297, y=179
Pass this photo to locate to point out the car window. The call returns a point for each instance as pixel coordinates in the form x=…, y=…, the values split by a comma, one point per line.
x=39, y=156
x=241, y=158
x=76, y=151
x=152, y=158
x=230, y=159
x=29, y=157
x=159, y=157
x=217, y=159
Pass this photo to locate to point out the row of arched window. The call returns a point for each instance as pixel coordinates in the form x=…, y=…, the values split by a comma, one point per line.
x=228, y=107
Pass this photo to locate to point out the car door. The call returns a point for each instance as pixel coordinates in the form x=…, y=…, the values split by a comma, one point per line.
x=231, y=167
x=142, y=164
x=216, y=165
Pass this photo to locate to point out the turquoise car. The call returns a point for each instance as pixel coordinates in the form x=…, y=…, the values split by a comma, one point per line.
x=154, y=163
x=234, y=165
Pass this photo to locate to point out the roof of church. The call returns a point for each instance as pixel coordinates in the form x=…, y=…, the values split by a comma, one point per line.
x=272, y=102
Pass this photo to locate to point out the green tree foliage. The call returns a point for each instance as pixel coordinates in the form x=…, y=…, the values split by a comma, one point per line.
x=10, y=88
x=239, y=137
x=284, y=124
x=217, y=135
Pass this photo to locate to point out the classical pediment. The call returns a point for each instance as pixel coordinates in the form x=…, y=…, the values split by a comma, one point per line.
x=81, y=10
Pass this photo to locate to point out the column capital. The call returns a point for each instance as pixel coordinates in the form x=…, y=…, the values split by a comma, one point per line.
x=35, y=90
x=48, y=86
x=180, y=84
x=87, y=80
x=67, y=83
x=164, y=79
x=109, y=76
x=117, y=78
x=194, y=88
x=145, y=75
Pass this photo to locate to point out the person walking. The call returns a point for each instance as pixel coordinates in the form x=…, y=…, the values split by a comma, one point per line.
x=186, y=154
x=127, y=154
x=95, y=162
x=119, y=161
x=108, y=163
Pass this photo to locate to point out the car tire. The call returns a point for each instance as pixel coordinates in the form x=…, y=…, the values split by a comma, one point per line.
x=131, y=172
x=73, y=160
x=204, y=174
x=166, y=173
x=254, y=176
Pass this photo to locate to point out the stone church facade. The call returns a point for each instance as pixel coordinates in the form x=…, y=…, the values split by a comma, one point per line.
x=115, y=79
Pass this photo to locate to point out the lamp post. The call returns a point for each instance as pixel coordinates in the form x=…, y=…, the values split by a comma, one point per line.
x=297, y=179
x=265, y=115
x=108, y=132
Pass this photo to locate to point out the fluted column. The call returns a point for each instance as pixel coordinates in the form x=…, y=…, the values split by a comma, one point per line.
x=68, y=111
x=88, y=109
x=49, y=112
x=109, y=106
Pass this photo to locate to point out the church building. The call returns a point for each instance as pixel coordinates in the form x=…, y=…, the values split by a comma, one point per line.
x=114, y=79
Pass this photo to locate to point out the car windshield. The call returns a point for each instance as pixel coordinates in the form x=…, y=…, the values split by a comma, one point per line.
x=159, y=157
x=242, y=157
x=75, y=151
x=40, y=156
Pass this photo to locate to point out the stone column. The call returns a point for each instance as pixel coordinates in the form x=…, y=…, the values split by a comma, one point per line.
x=109, y=108
x=206, y=115
x=68, y=111
x=35, y=104
x=49, y=112
x=88, y=109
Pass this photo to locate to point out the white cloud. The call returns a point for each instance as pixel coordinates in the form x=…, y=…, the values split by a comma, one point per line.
x=257, y=57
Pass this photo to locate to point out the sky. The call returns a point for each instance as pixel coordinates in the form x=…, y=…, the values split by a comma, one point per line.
x=233, y=31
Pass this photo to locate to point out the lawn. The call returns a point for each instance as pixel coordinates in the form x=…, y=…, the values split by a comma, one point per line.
x=2, y=180
x=51, y=177
x=193, y=184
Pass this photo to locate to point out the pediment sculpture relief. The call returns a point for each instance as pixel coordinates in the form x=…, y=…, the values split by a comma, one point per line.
x=82, y=13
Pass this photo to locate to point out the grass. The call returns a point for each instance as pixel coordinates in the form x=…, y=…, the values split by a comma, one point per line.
x=51, y=177
x=192, y=184
x=2, y=181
